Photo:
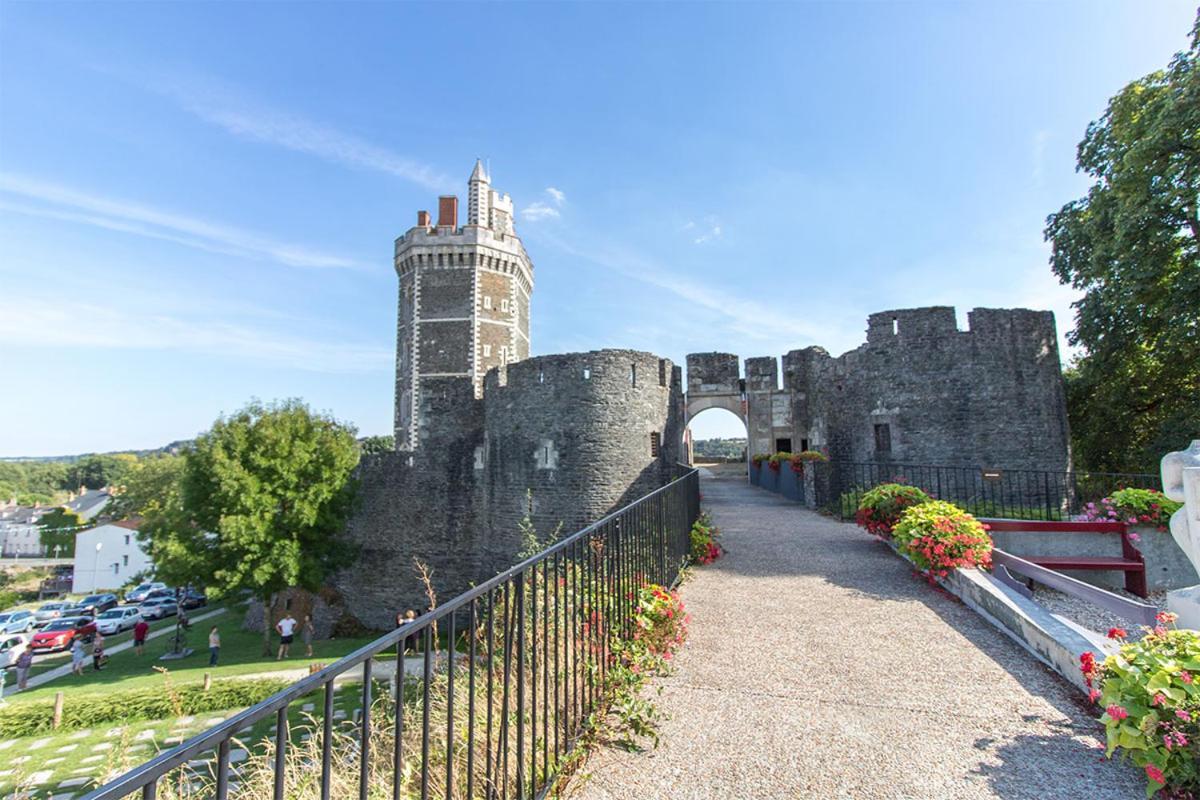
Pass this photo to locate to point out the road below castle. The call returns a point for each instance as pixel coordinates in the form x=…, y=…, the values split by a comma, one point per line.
x=818, y=665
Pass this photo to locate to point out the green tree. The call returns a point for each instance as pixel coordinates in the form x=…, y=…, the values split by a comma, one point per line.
x=265, y=494
x=148, y=489
x=98, y=471
x=1133, y=246
x=58, y=529
x=377, y=444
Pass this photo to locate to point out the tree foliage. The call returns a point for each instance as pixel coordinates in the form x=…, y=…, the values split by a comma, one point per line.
x=1133, y=246
x=261, y=499
x=99, y=471
x=58, y=529
x=377, y=444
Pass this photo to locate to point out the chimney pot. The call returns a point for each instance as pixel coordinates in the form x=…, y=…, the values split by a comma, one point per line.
x=448, y=211
x=423, y=219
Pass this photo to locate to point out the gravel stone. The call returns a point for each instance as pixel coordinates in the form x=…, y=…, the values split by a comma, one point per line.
x=818, y=665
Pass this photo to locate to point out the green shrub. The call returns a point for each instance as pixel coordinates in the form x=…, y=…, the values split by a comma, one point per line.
x=9, y=598
x=704, y=547
x=154, y=702
x=1144, y=507
x=880, y=508
x=939, y=536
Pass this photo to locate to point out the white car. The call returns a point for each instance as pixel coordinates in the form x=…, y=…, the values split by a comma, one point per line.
x=140, y=592
x=17, y=621
x=11, y=647
x=159, y=607
x=118, y=619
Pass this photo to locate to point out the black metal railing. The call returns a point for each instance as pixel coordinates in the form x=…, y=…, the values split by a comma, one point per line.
x=505, y=678
x=1009, y=493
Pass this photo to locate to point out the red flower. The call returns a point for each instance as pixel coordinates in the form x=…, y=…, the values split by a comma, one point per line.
x=1116, y=712
x=1155, y=774
x=1117, y=633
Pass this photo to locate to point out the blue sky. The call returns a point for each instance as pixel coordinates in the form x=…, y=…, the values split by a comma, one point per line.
x=198, y=201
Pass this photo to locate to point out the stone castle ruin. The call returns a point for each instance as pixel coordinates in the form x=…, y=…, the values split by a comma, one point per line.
x=488, y=437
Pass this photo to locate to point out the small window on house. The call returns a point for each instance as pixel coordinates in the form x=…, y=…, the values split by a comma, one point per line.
x=587, y=373
x=487, y=302
x=125, y=560
x=633, y=374
x=883, y=438
x=127, y=540
x=655, y=443
x=487, y=351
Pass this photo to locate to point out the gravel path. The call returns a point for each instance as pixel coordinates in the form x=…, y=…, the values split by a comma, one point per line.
x=819, y=666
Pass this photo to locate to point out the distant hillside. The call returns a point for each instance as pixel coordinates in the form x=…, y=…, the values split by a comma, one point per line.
x=174, y=448
x=719, y=448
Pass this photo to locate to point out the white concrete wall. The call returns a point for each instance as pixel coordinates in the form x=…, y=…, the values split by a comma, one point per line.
x=119, y=558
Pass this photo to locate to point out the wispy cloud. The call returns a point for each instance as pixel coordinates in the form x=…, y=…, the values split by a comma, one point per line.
x=711, y=231
x=78, y=206
x=36, y=322
x=254, y=119
x=545, y=209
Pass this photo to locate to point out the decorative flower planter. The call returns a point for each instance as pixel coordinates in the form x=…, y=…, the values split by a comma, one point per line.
x=770, y=478
x=756, y=471
x=791, y=483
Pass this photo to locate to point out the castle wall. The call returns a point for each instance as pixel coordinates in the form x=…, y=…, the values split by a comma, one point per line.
x=990, y=396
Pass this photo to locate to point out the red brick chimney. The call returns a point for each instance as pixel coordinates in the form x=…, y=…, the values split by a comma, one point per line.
x=423, y=219
x=447, y=211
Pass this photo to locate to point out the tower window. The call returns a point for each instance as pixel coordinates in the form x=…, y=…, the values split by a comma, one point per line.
x=587, y=373
x=487, y=302
x=655, y=443
x=883, y=438
x=503, y=354
x=633, y=374
x=504, y=304
x=895, y=326
x=487, y=350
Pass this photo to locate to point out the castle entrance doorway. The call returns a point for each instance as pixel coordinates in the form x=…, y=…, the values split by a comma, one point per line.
x=715, y=436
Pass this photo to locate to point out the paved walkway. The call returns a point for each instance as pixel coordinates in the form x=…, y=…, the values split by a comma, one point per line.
x=819, y=666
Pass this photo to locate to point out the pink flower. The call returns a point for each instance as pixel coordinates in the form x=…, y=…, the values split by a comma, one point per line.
x=1185, y=676
x=1116, y=712
x=1167, y=617
x=1133, y=537
x=1158, y=700
x=1155, y=774
x=1094, y=695
x=1183, y=715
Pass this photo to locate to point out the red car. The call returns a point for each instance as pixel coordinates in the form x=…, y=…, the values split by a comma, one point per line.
x=60, y=634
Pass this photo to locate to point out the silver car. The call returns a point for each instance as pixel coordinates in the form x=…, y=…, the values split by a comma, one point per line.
x=159, y=607
x=17, y=622
x=50, y=611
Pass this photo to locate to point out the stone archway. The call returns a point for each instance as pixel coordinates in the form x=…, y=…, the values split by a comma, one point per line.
x=698, y=406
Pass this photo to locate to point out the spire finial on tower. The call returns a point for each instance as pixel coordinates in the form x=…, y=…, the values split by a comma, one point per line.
x=478, y=174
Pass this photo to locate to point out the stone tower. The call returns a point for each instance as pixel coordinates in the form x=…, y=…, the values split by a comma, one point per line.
x=464, y=301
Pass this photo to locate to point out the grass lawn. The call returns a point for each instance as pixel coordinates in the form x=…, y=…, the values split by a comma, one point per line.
x=241, y=654
x=74, y=762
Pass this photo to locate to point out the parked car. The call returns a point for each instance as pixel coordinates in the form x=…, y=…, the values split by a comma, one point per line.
x=159, y=593
x=159, y=607
x=96, y=604
x=51, y=611
x=118, y=619
x=192, y=598
x=17, y=621
x=142, y=591
x=11, y=647
x=61, y=633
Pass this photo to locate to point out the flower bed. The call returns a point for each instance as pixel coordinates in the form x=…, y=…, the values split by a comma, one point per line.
x=1133, y=507
x=1150, y=693
x=880, y=508
x=938, y=536
x=704, y=548
x=798, y=460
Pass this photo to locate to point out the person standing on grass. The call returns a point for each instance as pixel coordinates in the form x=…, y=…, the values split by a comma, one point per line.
x=286, y=628
x=307, y=631
x=98, y=653
x=24, y=662
x=139, y=636
x=77, y=656
x=214, y=646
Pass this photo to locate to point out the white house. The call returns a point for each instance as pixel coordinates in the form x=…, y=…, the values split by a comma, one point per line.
x=107, y=556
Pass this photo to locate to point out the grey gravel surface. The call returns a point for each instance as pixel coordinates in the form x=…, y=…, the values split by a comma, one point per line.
x=1091, y=616
x=819, y=666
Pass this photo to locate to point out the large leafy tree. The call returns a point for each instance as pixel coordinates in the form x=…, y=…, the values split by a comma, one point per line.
x=262, y=498
x=98, y=471
x=1133, y=246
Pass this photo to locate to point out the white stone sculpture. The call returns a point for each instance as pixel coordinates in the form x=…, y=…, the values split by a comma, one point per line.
x=1181, y=483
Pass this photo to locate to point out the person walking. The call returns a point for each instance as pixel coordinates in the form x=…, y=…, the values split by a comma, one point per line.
x=77, y=656
x=214, y=646
x=24, y=662
x=307, y=631
x=286, y=628
x=139, y=636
